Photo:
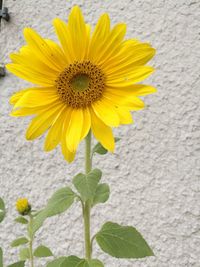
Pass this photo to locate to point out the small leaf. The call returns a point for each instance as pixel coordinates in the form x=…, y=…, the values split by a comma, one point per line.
x=19, y=241
x=2, y=210
x=60, y=201
x=102, y=194
x=42, y=251
x=21, y=220
x=1, y=257
x=86, y=185
x=56, y=262
x=17, y=264
x=24, y=254
x=122, y=241
x=99, y=149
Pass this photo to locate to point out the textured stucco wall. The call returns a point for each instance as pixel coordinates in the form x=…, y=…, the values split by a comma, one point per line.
x=154, y=173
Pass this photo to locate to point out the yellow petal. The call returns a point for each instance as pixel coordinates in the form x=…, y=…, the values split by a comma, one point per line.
x=40, y=47
x=39, y=97
x=106, y=112
x=28, y=57
x=75, y=129
x=133, y=90
x=124, y=115
x=131, y=62
x=16, y=96
x=62, y=31
x=42, y=122
x=102, y=132
x=137, y=75
x=68, y=155
x=131, y=53
x=29, y=75
x=121, y=53
x=26, y=111
x=54, y=135
x=129, y=102
x=78, y=32
x=86, y=123
x=58, y=53
x=111, y=44
x=99, y=35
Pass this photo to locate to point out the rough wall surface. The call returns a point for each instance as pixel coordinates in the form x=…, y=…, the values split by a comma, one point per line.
x=154, y=173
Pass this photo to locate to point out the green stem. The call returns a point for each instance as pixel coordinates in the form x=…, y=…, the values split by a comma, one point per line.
x=87, y=205
x=88, y=161
x=31, y=242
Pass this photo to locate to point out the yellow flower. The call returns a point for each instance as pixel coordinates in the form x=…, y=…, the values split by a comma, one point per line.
x=22, y=206
x=89, y=82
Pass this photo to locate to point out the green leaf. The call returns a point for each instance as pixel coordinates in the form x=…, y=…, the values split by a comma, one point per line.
x=42, y=251
x=19, y=241
x=86, y=185
x=122, y=241
x=60, y=201
x=94, y=263
x=2, y=210
x=99, y=149
x=73, y=261
x=24, y=254
x=17, y=264
x=102, y=194
x=1, y=257
x=38, y=221
x=21, y=220
x=56, y=262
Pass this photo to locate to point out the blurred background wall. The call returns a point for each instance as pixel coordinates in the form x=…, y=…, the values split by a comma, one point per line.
x=154, y=172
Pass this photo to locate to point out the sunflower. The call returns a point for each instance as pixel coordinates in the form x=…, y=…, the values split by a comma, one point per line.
x=86, y=82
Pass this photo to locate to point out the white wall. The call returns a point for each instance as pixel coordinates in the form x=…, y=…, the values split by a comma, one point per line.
x=154, y=173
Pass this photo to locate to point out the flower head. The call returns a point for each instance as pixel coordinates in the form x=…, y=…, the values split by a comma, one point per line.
x=23, y=206
x=89, y=82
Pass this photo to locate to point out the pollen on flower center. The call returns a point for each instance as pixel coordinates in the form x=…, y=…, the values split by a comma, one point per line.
x=80, y=84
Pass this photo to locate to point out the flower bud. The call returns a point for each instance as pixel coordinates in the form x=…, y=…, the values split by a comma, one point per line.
x=22, y=206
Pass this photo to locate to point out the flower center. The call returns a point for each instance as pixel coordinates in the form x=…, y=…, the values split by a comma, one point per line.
x=80, y=84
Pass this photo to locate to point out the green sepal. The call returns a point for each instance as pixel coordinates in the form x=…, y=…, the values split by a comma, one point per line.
x=42, y=251
x=86, y=184
x=122, y=241
x=2, y=210
x=99, y=149
x=24, y=254
x=56, y=262
x=102, y=194
x=17, y=264
x=61, y=200
x=19, y=241
x=21, y=220
x=1, y=257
